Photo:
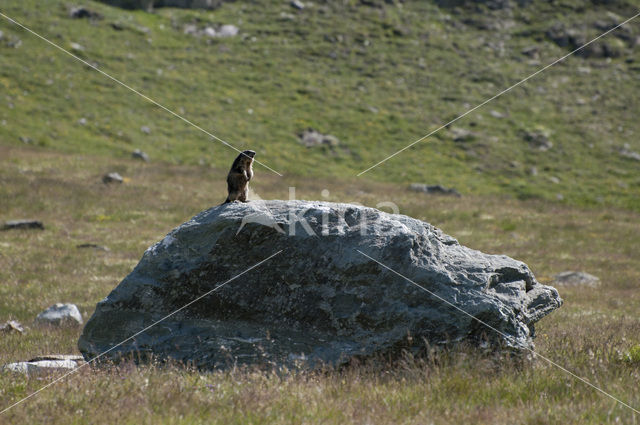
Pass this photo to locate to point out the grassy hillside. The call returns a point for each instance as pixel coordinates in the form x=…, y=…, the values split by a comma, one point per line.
x=378, y=76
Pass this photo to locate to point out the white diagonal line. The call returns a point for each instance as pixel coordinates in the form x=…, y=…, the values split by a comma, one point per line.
x=213, y=136
x=498, y=95
x=137, y=333
x=501, y=333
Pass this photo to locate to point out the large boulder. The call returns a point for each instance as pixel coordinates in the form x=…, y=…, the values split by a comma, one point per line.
x=320, y=299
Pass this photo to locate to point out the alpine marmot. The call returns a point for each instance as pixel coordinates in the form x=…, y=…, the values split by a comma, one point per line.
x=239, y=176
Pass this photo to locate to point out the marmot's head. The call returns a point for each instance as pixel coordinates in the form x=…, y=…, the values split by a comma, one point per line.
x=247, y=157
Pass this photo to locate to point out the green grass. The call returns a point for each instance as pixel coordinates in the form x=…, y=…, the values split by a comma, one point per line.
x=377, y=78
x=595, y=334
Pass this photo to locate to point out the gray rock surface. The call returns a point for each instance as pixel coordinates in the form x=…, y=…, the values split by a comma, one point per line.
x=572, y=278
x=112, y=178
x=61, y=314
x=433, y=188
x=11, y=326
x=38, y=367
x=320, y=299
x=23, y=224
x=138, y=154
x=311, y=138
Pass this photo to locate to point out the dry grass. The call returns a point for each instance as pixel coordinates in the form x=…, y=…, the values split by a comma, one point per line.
x=589, y=335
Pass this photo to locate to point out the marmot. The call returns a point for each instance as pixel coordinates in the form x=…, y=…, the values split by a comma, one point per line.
x=239, y=176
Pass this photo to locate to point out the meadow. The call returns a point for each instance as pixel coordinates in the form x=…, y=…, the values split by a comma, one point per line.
x=377, y=78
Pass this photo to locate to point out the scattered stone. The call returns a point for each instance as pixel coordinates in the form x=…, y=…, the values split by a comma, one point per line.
x=82, y=121
x=554, y=180
x=533, y=171
x=532, y=51
x=311, y=138
x=60, y=314
x=559, y=196
x=11, y=326
x=297, y=4
x=210, y=32
x=626, y=152
x=39, y=367
x=93, y=246
x=433, y=189
x=77, y=47
x=320, y=300
x=227, y=31
x=23, y=224
x=26, y=140
x=14, y=42
x=191, y=29
x=112, y=178
x=572, y=38
x=1, y=34
x=538, y=139
x=572, y=278
x=462, y=135
x=138, y=154
x=73, y=357
x=145, y=129
x=496, y=114
x=82, y=12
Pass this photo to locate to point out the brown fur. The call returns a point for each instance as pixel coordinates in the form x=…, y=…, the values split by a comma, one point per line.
x=238, y=178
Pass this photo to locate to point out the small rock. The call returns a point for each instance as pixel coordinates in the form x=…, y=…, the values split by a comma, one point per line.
x=433, y=189
x=145, y=129
x=77, y=47
x=191, y=29
x=82, y=121
x=138, y=154
x=26, y=140
x=554, y=179
x=462, y=135
x=626, y=152
x=83, y=12
x=43, y=366
x=227, y=31
x=112, y=178
x=14, y=42
x=60, y=314
x=311, y=138
x=94, y=246
x=296, y=4
x=72, y=357
x=538, y=139
x=533, y=171
x=572, y=278
x=496, y=114
x=210, y=32
x=531, y=51
x=23, y=224
x=11, y=326
x=1, y=35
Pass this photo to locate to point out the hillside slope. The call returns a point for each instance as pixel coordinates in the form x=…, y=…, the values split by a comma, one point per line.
x=377, y=75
